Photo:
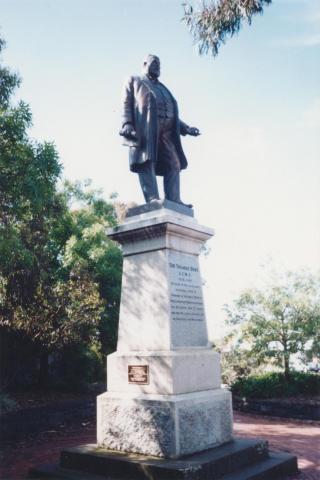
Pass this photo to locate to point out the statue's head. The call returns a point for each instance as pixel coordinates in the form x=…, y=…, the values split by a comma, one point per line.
x=151, y=66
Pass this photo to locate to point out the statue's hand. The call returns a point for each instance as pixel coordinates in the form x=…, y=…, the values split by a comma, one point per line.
x=193, y=131
x=128, y=131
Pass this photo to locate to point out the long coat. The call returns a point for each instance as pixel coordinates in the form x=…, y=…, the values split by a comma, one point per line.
x=140, y=109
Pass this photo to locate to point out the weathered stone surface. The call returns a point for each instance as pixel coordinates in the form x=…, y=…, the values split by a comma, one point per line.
x=204, y=424
x=164, y=425
x=136, y=425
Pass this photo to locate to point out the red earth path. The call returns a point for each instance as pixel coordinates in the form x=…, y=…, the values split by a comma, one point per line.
x=299, y=437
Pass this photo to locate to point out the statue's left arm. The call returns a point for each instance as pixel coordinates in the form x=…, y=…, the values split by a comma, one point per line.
x=128, y=102
x=186, y=130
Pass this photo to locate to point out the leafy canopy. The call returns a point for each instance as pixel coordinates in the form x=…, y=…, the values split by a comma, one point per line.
x=212, y=22
x=281, y=320
x=47, y=292
x=90, y=248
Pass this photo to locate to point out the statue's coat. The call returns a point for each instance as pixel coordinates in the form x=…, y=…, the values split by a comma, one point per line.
x=140, y=109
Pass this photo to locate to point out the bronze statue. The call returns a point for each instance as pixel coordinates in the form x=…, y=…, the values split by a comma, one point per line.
x=151, y=128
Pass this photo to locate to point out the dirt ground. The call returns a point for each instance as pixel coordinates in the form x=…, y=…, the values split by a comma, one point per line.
x=301, y=438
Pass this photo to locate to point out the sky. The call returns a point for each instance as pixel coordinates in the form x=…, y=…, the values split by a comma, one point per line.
x=254, y=173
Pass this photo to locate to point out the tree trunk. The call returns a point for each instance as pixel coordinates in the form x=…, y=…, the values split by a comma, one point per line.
x=43, y=369
x=286, y=357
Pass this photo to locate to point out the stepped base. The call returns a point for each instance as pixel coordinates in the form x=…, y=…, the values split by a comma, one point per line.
x=241, y=459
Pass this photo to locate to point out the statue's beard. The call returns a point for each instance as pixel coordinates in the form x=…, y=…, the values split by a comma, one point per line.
x=153, y=75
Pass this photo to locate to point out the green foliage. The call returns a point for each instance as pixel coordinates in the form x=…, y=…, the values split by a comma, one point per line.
x=236, y=363
x=35, y=225
x=61, y=312
x=8, y=81
x=281, y=320
x=90, y=248
x=214, y=21
x=60, y=275
x=28, y=204
x=275, y=385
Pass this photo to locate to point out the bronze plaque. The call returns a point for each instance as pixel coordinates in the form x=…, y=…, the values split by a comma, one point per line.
x=138, y=374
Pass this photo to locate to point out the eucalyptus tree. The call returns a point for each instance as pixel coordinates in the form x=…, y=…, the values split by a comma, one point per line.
x=212, y=22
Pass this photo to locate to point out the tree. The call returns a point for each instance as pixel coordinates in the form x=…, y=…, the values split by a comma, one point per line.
x=236, y=362
x=28, y=175
x=281, y=320
x=216, y=20
x=52, y=303
x=90, y=248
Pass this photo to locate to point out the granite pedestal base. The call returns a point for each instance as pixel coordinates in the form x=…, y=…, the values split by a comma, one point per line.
x=164, y=425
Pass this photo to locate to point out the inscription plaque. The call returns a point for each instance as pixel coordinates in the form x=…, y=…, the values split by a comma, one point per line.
x=186, y=298
x=138, y=374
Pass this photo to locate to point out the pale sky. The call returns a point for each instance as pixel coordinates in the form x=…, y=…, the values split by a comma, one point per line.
x=254, y=173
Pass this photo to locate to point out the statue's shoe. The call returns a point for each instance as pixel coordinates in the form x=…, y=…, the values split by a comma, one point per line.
x=158, y=200
x=188, y=205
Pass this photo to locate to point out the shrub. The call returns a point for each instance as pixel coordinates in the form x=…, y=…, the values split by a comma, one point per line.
x=274, y=385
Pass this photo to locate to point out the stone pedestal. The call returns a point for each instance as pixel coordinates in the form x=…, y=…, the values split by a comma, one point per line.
x=164, y=396
x=164, y=414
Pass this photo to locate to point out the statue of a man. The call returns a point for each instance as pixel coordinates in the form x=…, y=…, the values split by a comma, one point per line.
x=151, y=128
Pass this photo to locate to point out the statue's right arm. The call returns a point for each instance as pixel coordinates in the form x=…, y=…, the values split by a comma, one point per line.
x=128, y=102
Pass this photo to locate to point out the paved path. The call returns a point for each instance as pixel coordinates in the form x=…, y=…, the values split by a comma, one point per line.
x=295, y=436
x=300, y=437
